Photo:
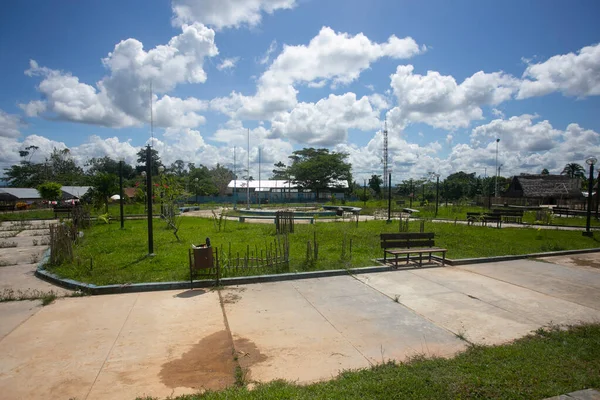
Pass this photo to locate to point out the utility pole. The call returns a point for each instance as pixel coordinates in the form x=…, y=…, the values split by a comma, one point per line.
x=248, y=173
x=496, y=183
x=259, y=155
x=234, y=180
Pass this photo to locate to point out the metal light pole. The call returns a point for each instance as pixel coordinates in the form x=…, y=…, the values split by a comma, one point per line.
x=437, y=193
x=365, y=193
x=496, y=183
x=590, y=161
x=149, y=199
x=121, y=193
x=389, y=220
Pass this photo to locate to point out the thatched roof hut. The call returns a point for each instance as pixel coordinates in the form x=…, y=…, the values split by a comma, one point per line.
x=544, y=187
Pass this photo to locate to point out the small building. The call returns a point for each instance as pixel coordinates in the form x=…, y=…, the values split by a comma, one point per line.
x=281, y=190
x=545, y=189
x=9, y=195
x=74, y=192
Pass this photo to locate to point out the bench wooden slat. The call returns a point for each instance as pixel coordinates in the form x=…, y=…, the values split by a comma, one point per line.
x=421, y=250
x=406, y=236
x=386, y=244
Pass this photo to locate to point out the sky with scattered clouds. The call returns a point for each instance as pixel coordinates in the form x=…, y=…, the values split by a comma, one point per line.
x=448, y=77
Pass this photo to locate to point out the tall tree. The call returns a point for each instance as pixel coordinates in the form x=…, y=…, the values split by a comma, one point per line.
x=142, y=161
x=319, y=169
x=375, y=183
x=178, y=168
x=64, y=169
x=221, y=176
x=201, y=182
x=545, y=172
x=573, y=170
x=280, y=172
x=104, y=185
x=108, y=165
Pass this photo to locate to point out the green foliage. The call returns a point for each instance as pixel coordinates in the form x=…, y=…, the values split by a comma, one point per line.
x=50, y=191
x=375, y=183
x=104, y=185
x=317, y=169
x=201, y=182
x=142, y=156
x=573, y=170
x=108, y=165
x=221, y=176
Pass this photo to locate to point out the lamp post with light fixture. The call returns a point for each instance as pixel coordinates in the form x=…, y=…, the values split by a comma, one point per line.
x=121, y=192
x=590, y=161
x=148, y=172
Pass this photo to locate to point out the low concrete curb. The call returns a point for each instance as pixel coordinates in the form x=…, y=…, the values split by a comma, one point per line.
x=245, y=280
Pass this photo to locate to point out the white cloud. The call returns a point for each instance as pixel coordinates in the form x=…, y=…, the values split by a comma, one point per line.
x=327, y=121
x=228, y=63
x=439, y=101
x=518, y=133
x=571, y=74
x=9, y=125
x=330, y=57
x=122, y=98
x=267, y=56
x=497, y=113
x=226, y=13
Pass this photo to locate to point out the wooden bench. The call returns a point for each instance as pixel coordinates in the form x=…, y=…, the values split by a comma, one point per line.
x=7, y=207
x=242, y=218
x=409, y=243
x=560, y=211
x=62, y=210
x=473, y=217
x=492, y=218
x=509, y=215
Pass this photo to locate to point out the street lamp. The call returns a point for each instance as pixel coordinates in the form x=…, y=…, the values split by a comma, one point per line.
x=496, y=183
x=161, y=169
x=121, y=192
x=590, y=161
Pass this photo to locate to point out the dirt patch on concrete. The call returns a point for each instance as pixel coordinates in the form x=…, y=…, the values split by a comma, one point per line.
x=207, y=365
x=586, y=262
x=247, y=352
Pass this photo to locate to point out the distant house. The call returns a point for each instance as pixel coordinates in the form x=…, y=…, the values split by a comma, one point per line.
x=14, y=195
x=129, y=192
x=547, y=189
x=74, y=192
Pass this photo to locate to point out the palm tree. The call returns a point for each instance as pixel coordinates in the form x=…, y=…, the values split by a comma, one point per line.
x=573, y=170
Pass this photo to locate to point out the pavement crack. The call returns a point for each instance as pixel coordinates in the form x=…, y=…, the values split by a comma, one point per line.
x=332, y=325
x=112, y=347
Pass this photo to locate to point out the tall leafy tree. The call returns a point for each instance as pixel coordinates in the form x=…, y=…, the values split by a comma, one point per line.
x=573, y=170
x=108, y=165
x=201, y=181
x=545, y=172
x=178, y=168
x=221, y=176
x=64, y=169
x=375, y=183
x=104, y=185
x=318, y=169
x=142, y=161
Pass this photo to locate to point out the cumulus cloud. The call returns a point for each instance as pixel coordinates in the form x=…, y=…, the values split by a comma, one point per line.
x=329, y=58
x=228, y=63
x=122, y=98
x=9, y=125
x=267, y=56
x=226, y=13
x=572, y=74
x=518, y=133
x=327, y=121
x=438, y=100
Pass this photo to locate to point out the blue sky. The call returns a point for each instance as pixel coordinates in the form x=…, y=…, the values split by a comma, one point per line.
x=450, y=77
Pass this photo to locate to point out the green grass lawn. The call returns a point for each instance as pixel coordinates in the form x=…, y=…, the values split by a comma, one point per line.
x=27, y=215
x=548, y=363
x=108, y=255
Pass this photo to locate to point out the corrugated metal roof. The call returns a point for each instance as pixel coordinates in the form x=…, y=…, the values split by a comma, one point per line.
x=75, y=191
x=21, y=193
x=273, y=184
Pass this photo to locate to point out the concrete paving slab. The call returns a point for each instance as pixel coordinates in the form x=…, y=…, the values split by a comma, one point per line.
x=172, y=343
x=34, y=232
x=477, y=321
x=21, y=278
x=26, y=241
x=589, y=261
x=577, y=285
x=278, y=334
x=22, y=255
x=378, y=327
x=14, y=313
x=60, y=350
x=534, y=306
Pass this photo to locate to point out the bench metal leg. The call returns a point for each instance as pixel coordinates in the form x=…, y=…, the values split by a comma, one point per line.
x=396, y=261
x=420, y=259
x=443, y=258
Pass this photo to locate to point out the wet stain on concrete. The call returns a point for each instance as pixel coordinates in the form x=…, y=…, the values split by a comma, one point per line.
x=231, y=298
x=207, y=365
x=248, y=354
x=583, y=262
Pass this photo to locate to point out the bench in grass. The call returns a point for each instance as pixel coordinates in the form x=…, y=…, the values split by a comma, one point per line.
x=61, y=210
x=492, y=218
x=509, y=215
x=410, y=243
x=473, y=217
